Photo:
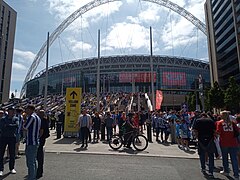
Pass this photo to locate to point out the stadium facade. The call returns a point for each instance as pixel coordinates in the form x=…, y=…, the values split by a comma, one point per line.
x=175, y=76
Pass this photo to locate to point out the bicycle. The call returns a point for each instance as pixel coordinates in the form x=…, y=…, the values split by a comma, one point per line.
x=140, y=142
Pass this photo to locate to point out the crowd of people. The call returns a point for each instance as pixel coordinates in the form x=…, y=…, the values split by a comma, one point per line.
x=212, y=133
x=27, y=126
x=215, y=135
x=218, y=136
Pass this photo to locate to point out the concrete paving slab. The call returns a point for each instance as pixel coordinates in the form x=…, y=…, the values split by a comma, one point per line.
x=72, y=145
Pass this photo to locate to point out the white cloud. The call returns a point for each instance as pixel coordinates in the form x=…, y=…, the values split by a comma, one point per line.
x=18, y=66
x=197, y=9
x=21, y=61
x=23, y=55
x=131, y=1
x=61, y=9
x=181, y=3
x=150, y=14
x=132, y=19
x=78, y=46
x=127, y=35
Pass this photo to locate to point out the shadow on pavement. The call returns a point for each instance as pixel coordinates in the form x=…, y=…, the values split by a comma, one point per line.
x=5, y=176
x=190, y=152
x=217, y=169
x=64, y=141
x=80, y=149
x=129, y=151
x=206, y=176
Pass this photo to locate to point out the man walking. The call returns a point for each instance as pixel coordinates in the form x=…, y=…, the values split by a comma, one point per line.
x=204, y=129
x=84, y=122
x=109, y=125
x=32, y=126
x=8, y=129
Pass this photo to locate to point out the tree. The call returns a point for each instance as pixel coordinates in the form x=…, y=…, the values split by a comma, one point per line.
x=191, y=102
x=232, y=95
x=206, y=100
x=216, y=96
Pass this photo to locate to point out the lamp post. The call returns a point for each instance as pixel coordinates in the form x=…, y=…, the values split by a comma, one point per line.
x=98, y=73
x=46, y=77
x=151, y=64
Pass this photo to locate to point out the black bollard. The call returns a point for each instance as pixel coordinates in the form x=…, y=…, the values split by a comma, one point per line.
x=102, y=131
x=59, y=129
x=149, y=132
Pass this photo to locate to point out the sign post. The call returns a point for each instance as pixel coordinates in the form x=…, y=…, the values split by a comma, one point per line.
x=73, y=107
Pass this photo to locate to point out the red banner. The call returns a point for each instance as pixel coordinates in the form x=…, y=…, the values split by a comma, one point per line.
x=159, y=99
x=136, y=77
x=174, y=79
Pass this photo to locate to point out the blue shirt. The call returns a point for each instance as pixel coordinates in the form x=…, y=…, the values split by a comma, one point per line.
x=33, y=126
x=178, y=129
x=20, y=123
x=84, y=121
x=8, y=126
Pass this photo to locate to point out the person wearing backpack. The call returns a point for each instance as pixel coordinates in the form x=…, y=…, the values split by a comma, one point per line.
x=204, y=129
x=44, y=134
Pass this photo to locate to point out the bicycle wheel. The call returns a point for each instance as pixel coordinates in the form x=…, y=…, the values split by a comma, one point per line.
x=116, y=142
x=140, y=142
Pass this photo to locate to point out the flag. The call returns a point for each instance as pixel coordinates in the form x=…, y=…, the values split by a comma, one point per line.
x=159, y=99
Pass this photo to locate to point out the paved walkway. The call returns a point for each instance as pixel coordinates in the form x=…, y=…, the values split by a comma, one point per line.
x=71, y=145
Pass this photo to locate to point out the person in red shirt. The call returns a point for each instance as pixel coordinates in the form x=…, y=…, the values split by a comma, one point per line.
x=228, y=143
x=136, y=120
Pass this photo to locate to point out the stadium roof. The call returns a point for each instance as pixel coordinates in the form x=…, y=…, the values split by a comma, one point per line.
x=125, y=62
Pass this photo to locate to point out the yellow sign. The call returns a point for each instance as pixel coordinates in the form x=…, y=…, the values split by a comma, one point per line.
x=73, y=109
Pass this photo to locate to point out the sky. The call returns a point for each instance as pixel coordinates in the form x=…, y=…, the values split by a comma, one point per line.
x=124, y=30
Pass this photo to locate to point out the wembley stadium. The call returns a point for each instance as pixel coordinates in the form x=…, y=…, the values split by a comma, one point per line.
x=175, y=76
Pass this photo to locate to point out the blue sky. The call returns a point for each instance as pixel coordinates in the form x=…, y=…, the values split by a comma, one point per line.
x=124, y=29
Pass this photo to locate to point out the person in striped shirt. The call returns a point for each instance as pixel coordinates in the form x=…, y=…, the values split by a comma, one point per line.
x=32, y=126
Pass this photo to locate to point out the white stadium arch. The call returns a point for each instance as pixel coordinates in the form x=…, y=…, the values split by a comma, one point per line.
x=95, y=3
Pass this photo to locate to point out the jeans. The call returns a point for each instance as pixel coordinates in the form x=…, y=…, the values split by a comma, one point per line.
x=11, y=142
x=40, y=157
x=84, y=135
x=157, y=133
x=162, y=131
x=95, y=134
x=31, y=160
x=233, y=156
x=202, y=156
x=109, y=133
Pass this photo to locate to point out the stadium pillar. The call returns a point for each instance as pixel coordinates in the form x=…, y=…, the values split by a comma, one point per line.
x=98, y=73
x=46, y=76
